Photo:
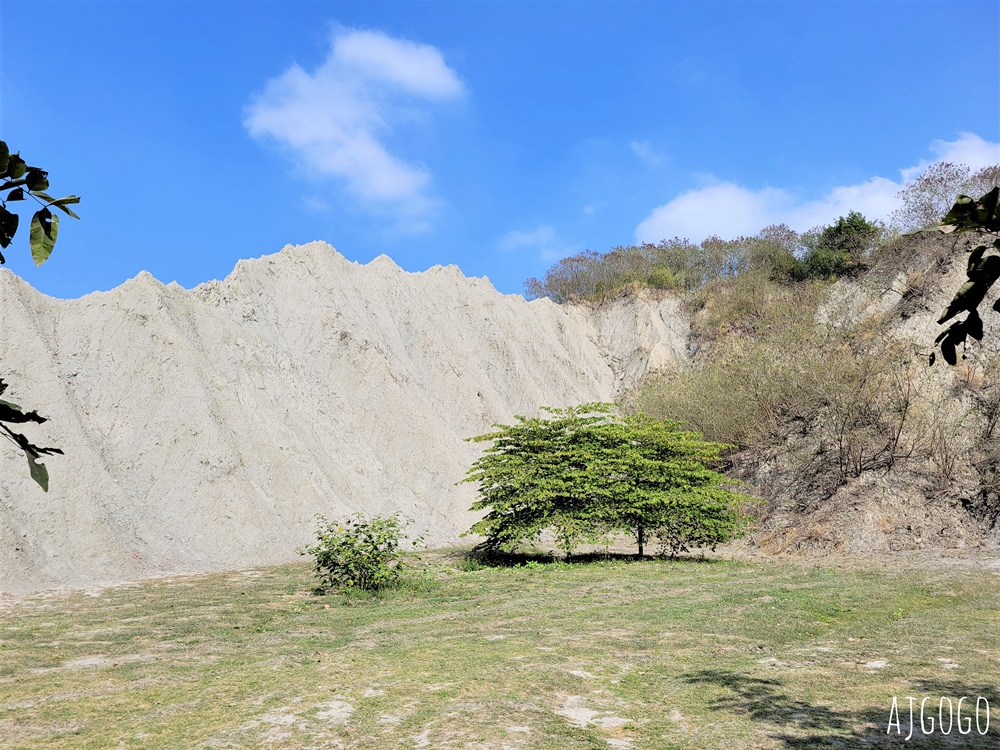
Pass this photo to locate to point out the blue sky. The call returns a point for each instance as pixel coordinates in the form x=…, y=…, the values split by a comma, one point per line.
x=498, y=136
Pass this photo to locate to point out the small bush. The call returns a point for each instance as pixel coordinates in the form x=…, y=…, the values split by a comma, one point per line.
x=357, y=552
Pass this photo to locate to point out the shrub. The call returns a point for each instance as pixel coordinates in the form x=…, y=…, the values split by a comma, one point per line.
x=662, y=278
x=675, y=264
x=357, y=552
x=844, y=247
x=833, y=402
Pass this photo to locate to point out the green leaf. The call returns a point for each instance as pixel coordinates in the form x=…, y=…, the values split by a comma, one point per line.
x=17, y=194
x=59, y=203
x=37, y=179
x=38, y=472
x=13, y=413
x=4, y=157
x=972, y=292
x=15, y=167
x=958, y=303
x=988, y=269
x=63, y=203
x=974, y=325
x=974, y=257
x=44, y=230
x=8, y=226
x=988, y=205
x=11, y=184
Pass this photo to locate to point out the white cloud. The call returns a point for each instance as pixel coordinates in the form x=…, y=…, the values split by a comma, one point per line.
x=543, y=240
x=731, y=210
x=646, y=153
x=418, y=68
x=334, y=120
x=968, y=149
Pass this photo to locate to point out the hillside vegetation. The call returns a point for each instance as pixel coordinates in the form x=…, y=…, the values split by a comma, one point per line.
x=810, y=356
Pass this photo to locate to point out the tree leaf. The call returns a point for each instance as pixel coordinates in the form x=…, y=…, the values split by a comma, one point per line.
x=37, y=179
x=988, y=206
x=974, y=257
x=4, y=157
x=63, y=205
x=44, y=230
x=8, y=226
x=974, y=325
x=15, y=167
x=988, y=269
x=17, y=194
x=13, y=413
x=38, y=472
x=966, y=292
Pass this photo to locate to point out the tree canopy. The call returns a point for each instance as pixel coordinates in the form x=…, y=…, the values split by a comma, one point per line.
x=588, y=475
x=20, y=182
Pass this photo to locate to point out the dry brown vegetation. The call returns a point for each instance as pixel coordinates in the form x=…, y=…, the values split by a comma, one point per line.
x=830, y=403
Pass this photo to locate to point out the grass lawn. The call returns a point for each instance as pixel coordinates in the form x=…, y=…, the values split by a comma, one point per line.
x=613, y=654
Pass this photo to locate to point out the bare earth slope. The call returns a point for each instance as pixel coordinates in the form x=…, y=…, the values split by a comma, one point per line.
x=205, y=428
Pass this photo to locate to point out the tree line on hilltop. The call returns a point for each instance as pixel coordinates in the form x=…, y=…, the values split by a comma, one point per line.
x=846, y=247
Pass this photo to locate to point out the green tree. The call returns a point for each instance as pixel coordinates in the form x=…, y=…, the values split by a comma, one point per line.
x=21, y=182
x=588, y=474
x=840, y=248
x=982, y=218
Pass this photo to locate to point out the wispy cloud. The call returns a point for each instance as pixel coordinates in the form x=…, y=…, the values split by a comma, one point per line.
x=647, y=154
x=334, y=121
x=542, y=240
x=730, y=210
x=968, y=149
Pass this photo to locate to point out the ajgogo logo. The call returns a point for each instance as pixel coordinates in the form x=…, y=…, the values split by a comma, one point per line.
x=955, y=718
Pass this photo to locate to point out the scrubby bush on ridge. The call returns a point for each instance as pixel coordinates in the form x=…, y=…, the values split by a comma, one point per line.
x=776, y=253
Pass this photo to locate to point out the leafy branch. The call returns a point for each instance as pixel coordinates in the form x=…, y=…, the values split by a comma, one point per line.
x=14, y=414
x=982, y=217
x=21, y=181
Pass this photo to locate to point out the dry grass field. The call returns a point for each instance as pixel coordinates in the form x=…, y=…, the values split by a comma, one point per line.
x=600, y=654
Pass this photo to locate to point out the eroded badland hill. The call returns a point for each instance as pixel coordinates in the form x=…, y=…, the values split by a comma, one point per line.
x=205, y=428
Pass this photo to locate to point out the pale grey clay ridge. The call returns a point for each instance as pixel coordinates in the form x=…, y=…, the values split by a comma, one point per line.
x=204, y=429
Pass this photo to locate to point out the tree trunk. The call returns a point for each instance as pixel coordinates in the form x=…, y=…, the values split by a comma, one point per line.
x=641, y=538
